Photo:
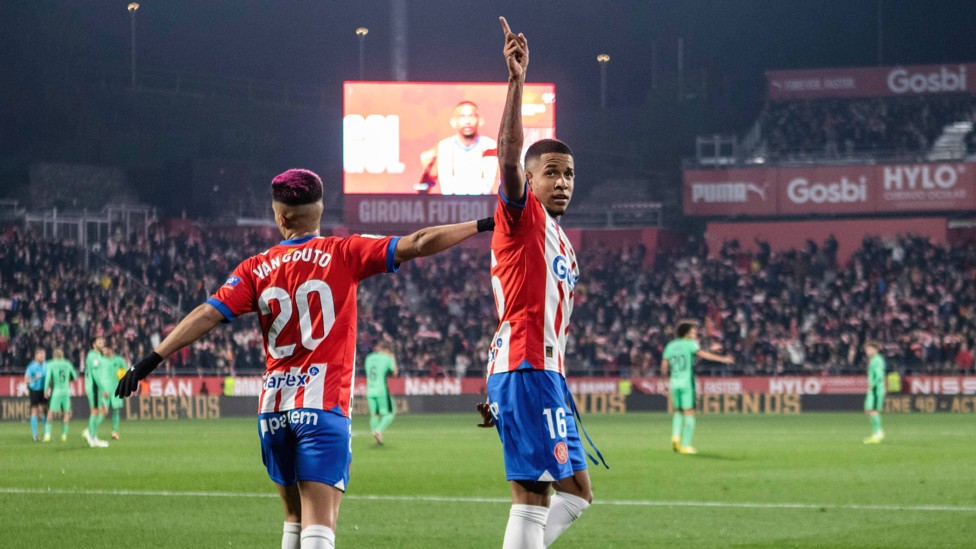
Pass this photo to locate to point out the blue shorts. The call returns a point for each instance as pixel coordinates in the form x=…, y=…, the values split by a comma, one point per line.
x=536, y=425
x=306, y=444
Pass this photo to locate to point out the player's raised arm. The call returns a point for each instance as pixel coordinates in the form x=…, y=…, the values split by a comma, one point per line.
x=193, y=326
x=431, y=240
x=510, y=137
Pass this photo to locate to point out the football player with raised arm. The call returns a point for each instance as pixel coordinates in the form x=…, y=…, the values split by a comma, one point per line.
x=678, y=360
x=304, y=291
x=533, y=274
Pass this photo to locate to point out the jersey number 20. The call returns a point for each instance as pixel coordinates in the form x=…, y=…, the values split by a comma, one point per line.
x=301, y=302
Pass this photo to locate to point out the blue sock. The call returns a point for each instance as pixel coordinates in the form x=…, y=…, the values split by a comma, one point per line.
x=34, y=426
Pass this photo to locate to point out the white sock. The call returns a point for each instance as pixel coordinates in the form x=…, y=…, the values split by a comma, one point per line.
x=291, y=538
x=317, y=536
x=563, y=510
x=526, y=527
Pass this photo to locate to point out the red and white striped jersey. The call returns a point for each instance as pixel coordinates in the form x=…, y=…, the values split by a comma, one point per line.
x=533, y=273
x=304, y=291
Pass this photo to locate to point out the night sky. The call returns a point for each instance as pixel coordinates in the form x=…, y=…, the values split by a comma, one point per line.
x=313, y=42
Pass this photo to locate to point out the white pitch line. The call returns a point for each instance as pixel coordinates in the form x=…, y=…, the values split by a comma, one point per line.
x=453, y=499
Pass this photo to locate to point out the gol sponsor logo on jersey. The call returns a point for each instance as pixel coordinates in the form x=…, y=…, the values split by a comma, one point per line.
x=560, y=266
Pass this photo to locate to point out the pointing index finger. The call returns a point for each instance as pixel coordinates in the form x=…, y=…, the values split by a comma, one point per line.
x=505, y=28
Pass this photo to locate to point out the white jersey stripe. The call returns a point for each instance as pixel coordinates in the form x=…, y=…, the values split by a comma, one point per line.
x=565, y=302
x=499, y=355
x=267, y=400
x=315, y=389
x=288, y=391
x=553, y=304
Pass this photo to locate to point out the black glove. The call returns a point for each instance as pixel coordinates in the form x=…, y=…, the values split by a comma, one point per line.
x=486, y=224
x=137, y=372
x=487, y=420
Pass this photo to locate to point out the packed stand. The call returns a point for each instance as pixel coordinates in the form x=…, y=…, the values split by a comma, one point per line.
x=48, y=299
x=776, y=312
x=793, y=312
x=848, y=128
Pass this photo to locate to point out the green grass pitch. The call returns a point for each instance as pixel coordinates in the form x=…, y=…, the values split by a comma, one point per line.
x=759, y=481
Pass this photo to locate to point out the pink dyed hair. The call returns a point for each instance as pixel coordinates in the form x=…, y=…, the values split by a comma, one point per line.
x=295, y=187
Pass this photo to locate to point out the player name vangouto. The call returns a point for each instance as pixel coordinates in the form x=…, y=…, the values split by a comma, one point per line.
x=319, y=257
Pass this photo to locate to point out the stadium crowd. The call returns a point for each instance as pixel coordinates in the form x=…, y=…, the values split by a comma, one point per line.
x=838, y=128
x=797, y=311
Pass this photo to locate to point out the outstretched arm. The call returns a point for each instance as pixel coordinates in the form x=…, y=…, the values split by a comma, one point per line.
x=431, y=240
x=714, y=357
x=510, y=138
x=193, y=326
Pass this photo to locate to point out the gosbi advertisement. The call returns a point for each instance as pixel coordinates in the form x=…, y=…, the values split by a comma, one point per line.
x=831, y=190
x=870, y=81
x=432, y=138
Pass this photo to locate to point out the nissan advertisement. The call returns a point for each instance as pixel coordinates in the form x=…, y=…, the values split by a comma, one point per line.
x=830, y=190
x=870, y=82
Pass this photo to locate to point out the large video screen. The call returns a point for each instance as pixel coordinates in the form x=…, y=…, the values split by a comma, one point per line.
x=432, y=138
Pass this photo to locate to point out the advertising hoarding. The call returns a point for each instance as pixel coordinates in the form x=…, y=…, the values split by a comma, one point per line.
x=870, y=81
x=831, y=190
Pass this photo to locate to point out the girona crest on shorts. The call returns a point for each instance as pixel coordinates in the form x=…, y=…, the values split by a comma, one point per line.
x=561, y=451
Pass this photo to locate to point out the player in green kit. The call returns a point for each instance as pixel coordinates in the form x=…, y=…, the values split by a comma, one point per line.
x=379, y=365
x=115, y=368
x=874, y=400
x=95, y=367
x=57, y=388
x=679, y=358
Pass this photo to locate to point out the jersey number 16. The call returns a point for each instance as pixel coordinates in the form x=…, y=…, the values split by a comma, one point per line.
x=560, y=421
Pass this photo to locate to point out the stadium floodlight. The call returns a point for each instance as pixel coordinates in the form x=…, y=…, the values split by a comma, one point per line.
x=603, y=59
x=361, y=32
x=132, y=7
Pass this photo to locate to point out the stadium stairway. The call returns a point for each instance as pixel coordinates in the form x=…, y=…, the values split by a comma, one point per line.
x=951, y=145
